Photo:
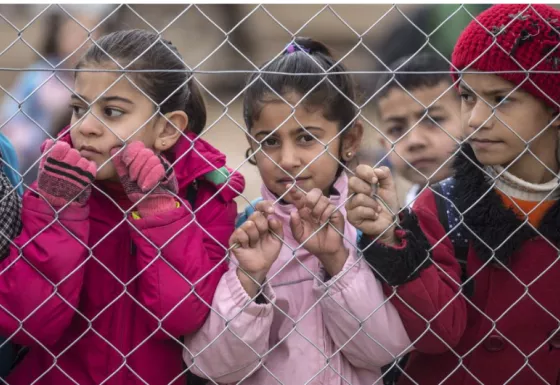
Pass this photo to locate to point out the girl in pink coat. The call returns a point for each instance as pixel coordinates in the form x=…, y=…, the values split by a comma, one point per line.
x=298, y=304
x=112, y=267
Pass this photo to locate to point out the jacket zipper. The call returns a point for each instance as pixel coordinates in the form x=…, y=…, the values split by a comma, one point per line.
x=120, y=312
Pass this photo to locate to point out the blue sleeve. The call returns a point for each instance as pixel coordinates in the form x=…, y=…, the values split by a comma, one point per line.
x=242, y=217
x=10, y=165
x=359, y=235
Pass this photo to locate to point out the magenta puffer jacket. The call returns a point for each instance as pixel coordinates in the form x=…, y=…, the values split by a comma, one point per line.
x=101, y=297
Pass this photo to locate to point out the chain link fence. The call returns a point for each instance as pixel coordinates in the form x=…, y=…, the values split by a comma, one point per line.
x=156, y=320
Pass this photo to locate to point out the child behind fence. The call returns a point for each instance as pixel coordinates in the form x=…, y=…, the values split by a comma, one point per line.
x=114, y=268
x=298, y=305
x=419, y=117
x=502, y=325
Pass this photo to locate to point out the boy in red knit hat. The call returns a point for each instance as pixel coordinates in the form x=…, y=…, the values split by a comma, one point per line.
x=491, y=316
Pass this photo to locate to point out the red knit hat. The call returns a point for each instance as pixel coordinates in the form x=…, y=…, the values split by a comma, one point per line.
x=514, y=37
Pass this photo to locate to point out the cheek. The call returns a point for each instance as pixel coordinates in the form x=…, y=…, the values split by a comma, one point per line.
x=511, y=133
x=265, y=166
x=73, y=135
x=126, y=132
x=324, y=167
x=396, y=161
x=464, y=120
x=401, y=148
x=444, y=141
x=145, y=135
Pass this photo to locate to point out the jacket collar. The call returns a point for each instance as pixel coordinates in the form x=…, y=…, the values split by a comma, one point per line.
x=495, y=230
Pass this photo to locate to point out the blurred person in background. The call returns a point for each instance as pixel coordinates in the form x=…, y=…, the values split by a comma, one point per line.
x=418, y=113
x=45, y=98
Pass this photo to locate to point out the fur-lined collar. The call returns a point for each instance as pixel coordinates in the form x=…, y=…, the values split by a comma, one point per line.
x=495, y=231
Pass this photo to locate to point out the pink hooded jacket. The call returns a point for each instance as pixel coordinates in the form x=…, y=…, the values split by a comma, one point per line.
x=95, y=298
x=309, y=333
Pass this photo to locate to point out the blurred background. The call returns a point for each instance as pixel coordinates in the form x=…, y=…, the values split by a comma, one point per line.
x=211, y=38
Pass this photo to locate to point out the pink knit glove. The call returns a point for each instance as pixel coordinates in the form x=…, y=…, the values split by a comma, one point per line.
x=140, y=170
x=64, y=175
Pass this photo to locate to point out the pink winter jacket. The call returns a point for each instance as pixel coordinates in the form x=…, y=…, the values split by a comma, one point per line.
x=96, y=301
x=309, y=333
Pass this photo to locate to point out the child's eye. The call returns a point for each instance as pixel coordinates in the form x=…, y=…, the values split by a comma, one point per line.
x=395, y=132
x=501, y=100
x=466, y=97
x=305, y=139
x=435, y=120
x=112, y=112
x=78, y=110
x=269, y=142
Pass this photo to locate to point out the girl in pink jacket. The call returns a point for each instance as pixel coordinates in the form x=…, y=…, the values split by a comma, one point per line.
x=298, y=304
x=112, y=266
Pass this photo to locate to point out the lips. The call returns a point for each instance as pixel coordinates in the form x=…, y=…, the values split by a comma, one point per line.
x=484, y=140
x=483, y=143
x=419, y=163
x=291, y=180
x=89, y=151
x=90, y=148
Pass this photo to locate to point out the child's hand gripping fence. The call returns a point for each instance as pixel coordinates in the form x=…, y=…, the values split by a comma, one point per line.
x=350, y=342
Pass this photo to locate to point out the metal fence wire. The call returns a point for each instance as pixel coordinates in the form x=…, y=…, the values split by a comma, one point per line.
x=300, y=315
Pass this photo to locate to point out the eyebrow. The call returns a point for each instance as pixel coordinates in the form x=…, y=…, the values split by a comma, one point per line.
x=105, y=99
x=417, y=114
x=395, y=119
x=430, y=110
x=506, y=90
x=298, y=131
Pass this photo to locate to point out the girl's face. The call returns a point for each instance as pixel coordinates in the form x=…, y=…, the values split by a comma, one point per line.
x=119, y=113
x=305, y=148
x=500, y=127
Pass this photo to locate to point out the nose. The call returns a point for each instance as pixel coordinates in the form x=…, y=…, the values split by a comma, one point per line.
x=90, y=125
x=416, y=137
x=289, y=158
x=480, y=116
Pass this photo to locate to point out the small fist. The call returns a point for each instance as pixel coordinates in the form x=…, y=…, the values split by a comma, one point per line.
x=257, y=243
x=147, y=178
x=64, y=175
x=373, y=212
x=319, y=227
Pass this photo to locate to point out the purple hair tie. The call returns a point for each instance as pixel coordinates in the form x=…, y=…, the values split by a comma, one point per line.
x=291, y=48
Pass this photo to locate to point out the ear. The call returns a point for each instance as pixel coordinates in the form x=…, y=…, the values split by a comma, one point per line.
x=554, y=119
x=169, y=129
x=352, y=140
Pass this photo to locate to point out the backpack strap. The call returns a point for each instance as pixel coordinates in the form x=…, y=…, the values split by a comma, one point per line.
x=250, y=209
x=445, y=210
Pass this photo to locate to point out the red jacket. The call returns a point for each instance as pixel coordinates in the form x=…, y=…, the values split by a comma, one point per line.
x=98, y=300
x=507, y=330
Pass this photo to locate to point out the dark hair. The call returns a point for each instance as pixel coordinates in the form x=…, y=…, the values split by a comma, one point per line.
x=432, y=70
x=313, y=67
x=167, y=82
